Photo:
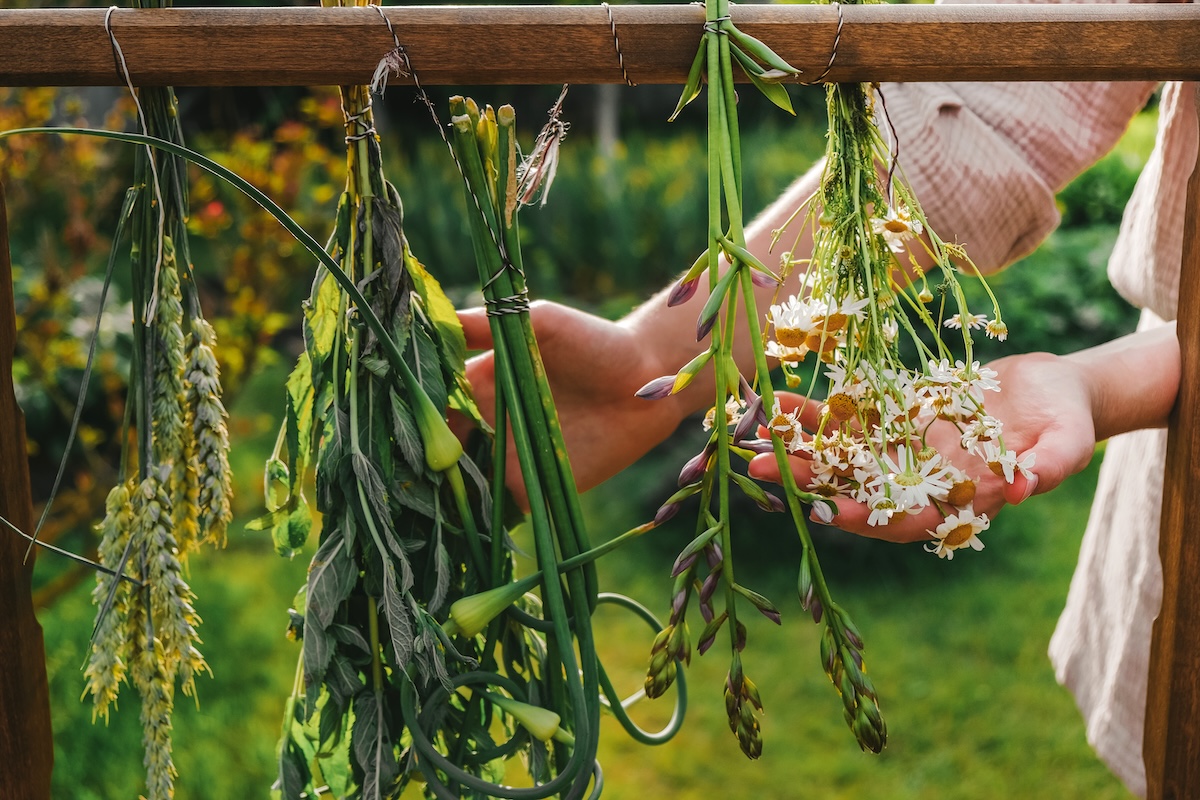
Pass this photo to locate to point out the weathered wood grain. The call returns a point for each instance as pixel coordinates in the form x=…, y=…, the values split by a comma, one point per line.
x=1172, y=733
x=555, y=44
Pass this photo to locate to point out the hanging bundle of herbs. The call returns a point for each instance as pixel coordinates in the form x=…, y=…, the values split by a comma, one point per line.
x=704, y=569
x=424, y=657
x=176, y=494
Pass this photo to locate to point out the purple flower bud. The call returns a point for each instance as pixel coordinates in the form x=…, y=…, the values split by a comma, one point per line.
x=823, y=512
x=696, y=466
x=774, y=504
x=705, y=324
x=749, y=423
x=817, y=611
x=763, y=280
x=678, y=604
x=710, y=586
x=854, y=639
x=657, y=389
x=683, y=564
x=682, y=292
x=857, y=656
x=757, y=445
x=665, y=512
x=705, y=644
x=706, y=611
x=772, y=614
x=713, y=554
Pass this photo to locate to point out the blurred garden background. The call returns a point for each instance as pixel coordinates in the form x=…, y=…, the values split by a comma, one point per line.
x=956, y=649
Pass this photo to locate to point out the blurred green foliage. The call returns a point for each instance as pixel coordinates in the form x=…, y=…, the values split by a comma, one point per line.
x=959, y=654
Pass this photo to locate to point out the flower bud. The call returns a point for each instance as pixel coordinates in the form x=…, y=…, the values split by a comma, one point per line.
x=656, y=389
x=823, y=512
x=689, y=370
x=666, y=512
x=682, y=292
x=697, y=465
x=764, y=280
x=542, y=723
x=470, y=615
x=750, y=421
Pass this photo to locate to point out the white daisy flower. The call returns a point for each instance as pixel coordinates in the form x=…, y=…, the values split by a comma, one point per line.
x=883, y=508
x=913, y=482
x=958, y=321
x=977, y=377
x=896, y=227
x=795, y=319
x=734, y=408
x=791, y=356
x=983, y=428
x=997, y=330
x=1005, y=463
x=958, y=531
x=786, y=426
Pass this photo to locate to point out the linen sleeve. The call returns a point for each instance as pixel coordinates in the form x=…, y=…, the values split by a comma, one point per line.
x=986, y=159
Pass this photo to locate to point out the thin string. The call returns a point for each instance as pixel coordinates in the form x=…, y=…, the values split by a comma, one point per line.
x=837, y=38
x=397, y=62
x=68, y=554
x=123, y=69
x=893, y=147
x=612, y=23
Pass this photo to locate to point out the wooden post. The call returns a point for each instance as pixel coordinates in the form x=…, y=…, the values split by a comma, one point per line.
x=26, y=746
x=1172, y=734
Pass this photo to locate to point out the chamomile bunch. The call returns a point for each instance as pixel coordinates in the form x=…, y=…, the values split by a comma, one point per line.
x=865, y=292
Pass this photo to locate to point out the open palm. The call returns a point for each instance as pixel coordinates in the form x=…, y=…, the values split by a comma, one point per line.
x=1045, y=407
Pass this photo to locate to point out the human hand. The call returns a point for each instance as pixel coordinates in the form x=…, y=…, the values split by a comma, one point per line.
x=1045, y=403
x=594, y=367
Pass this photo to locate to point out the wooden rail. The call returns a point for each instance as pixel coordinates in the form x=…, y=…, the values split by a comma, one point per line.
x=574, y=44
x=556, y=44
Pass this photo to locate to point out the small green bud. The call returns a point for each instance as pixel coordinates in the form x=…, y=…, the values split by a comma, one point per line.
x=442, y=448
x=470, y=615
x=542, y=723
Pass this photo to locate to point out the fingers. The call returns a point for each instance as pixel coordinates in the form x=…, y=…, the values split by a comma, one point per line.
x=807, y=411
x=1058, y=454
x=476, y=328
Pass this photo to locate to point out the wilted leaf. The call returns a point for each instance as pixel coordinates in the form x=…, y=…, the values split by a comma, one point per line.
x=330, y=580
x=373, y=747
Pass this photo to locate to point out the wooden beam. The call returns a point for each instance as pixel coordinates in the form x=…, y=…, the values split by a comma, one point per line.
x=1172, y=732
x=26, y=747
x=574, y=44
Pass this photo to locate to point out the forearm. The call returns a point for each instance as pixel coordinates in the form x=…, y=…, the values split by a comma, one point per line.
x=670, y=331
x=1132, y=381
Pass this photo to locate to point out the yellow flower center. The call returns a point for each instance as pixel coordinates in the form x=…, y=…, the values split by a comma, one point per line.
x=841, y=406
x=896, y=226
x=961, y=493
x=959, y=536
x=783, y=426
x=790, y=337
x=909, y=478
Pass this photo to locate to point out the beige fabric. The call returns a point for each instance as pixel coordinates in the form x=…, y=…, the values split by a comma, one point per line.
x=986, y=161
